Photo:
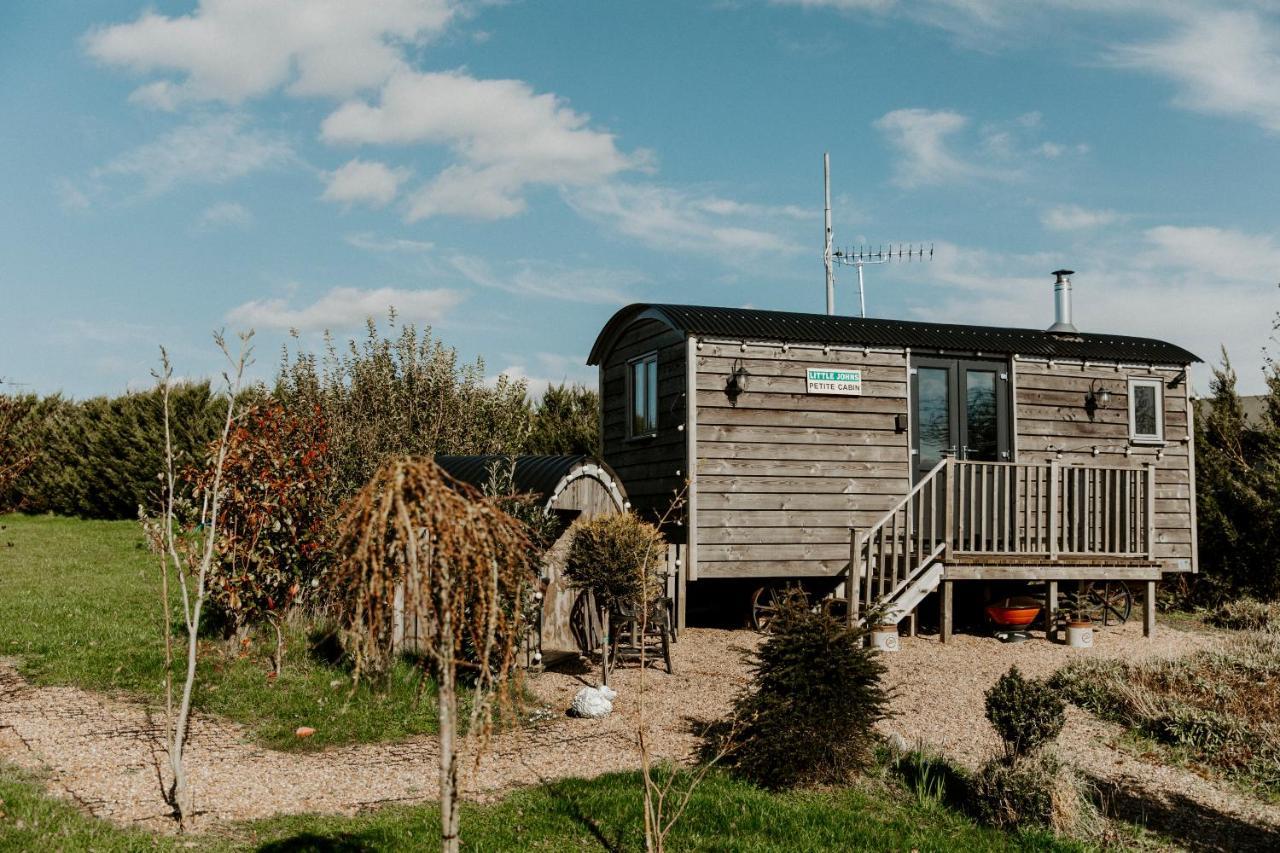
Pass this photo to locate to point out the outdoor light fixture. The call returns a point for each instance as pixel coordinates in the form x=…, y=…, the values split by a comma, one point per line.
x=1097, y=398
x=737, y=382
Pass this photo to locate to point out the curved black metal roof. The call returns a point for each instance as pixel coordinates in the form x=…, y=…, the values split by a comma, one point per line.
x=537, y=475
x=789, y=327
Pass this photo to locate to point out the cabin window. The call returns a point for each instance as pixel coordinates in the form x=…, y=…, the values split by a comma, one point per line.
x=1146, y=408
x=642, y=401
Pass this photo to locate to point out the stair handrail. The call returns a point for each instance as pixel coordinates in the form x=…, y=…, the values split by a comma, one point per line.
x=860, y=558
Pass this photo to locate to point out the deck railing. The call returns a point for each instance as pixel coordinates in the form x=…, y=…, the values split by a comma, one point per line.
x=1051, y=510
x=1037, y=510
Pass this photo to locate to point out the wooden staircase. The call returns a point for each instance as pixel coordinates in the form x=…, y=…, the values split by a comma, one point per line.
x=1038, y=516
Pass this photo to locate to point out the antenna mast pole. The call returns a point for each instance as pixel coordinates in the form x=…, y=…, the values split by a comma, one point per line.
x=826, y=245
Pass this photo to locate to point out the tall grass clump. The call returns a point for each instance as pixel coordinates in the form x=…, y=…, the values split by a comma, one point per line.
x=1218, y=708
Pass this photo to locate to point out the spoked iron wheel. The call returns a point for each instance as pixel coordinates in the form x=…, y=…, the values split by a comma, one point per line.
x=764, y=607
x=1109, y=602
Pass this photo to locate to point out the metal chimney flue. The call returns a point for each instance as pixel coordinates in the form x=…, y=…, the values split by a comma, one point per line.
x=1062, y=302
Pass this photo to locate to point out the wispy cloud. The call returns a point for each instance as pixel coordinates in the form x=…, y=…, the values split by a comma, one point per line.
x=923, y=140
x=224, y=214
x=545, y=369
x=1072, y=217
x=373, y=243
x=672, y=219
x=551, y=281
x=343, y=307
x=209, y=149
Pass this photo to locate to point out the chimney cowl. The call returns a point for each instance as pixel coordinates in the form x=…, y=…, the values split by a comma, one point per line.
x=1062, y=302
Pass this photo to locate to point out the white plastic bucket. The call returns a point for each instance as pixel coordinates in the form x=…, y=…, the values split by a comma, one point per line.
x=885, y=638
x=1079, y=635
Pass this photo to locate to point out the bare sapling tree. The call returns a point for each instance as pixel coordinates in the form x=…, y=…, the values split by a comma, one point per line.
x=460, y=565
x=664, y=801
x=187, y=542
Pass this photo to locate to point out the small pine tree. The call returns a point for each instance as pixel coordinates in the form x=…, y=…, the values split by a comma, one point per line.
x=815, y=696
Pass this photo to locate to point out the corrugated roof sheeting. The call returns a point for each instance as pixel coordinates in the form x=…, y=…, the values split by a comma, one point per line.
x=538, y=475
x=788, y=327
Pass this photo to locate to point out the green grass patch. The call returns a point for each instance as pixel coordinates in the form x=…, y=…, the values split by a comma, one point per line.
x=80, y=605
x=575, y=814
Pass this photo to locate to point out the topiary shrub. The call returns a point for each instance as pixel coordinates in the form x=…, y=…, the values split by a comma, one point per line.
x=807, y=717
x=1026, y=713
x=619, y=558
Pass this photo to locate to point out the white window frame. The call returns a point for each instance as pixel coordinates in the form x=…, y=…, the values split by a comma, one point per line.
x=1145, y=438
x=648, y=357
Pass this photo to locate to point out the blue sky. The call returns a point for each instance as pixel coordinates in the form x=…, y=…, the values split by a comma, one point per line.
x=510, y=173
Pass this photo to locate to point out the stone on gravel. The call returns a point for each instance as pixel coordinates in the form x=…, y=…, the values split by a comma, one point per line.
x=593, y=702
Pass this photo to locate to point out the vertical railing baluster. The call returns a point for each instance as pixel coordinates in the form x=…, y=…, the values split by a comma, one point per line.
x=1052, y=528
x=949, y=511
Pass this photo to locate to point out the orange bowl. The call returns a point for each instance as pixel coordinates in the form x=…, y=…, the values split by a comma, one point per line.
x=1013, y=613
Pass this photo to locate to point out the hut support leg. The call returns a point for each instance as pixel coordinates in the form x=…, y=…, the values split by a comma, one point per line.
x=1149, y=610
x=1051, y=618
x=911, y=624
x=947, y=596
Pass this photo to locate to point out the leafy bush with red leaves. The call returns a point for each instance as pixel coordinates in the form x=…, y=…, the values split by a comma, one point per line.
x=275, y=517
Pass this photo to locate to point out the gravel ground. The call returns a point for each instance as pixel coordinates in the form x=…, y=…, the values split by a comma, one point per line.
x=103, y=753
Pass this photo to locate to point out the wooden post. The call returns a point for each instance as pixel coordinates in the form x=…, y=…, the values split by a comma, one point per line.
x=1053, y=509
x=1149, y=611
x=1151, y=511
x=682, y=588
x=911, y=624
x=947, y=595
x=1051, y=618
x=853, y=588
x=949, y=530
x=604, y=649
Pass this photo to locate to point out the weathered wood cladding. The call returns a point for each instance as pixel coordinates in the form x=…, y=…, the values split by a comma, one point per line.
x=1052, y=418
x=783, y=474
x=652, y=468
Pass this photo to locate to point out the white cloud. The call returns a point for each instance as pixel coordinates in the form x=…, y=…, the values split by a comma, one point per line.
x=1225, y=63
x=71, y=196
x=232, y=50
x=373, y=243
x=364, y=181
x=670, y=219
x=548, y=369
x=209, y=149
x=224, y=214
x=1223, y=278
x=551, y=281
x=1072, y=217
x=343, y=307
x=922, y=139
x=506, y=136
x=839, y=5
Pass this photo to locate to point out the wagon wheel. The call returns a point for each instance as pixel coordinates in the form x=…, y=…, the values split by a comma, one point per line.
x=764, y=607
x=1110, y=602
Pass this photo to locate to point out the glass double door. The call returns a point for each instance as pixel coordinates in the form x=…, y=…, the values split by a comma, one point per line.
x=959, y=407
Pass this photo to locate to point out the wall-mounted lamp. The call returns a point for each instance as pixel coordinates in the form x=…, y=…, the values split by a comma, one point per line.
x=737, y=383
x=1097, y=398
x=899, y=423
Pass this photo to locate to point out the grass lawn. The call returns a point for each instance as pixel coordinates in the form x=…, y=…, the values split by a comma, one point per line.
x=602, y=814
x=79, y=605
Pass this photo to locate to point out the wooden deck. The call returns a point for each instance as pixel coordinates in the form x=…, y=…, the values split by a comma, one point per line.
x=991, y=521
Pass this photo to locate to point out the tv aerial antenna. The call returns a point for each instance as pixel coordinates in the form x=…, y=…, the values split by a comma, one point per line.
x=859, y=256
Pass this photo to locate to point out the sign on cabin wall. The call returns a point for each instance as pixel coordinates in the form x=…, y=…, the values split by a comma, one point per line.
x=821, y=380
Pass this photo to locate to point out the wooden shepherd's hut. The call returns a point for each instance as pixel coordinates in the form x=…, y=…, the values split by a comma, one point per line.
x=892, y=459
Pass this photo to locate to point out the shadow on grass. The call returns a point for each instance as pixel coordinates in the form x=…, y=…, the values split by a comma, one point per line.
x=312, y=843
x=1192, y=824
